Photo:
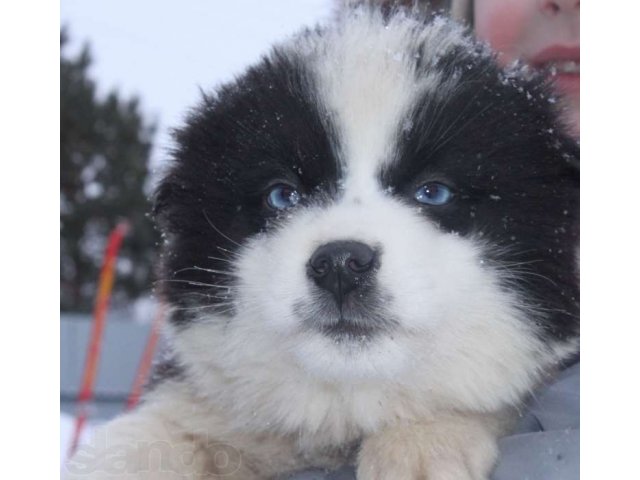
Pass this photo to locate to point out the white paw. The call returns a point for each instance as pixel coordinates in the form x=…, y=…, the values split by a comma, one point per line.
x=428, y=452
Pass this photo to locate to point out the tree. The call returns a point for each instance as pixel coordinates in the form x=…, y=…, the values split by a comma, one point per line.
x=105, y=145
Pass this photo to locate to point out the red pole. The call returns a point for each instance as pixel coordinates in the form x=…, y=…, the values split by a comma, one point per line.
x=105, y=285
x=147, y=359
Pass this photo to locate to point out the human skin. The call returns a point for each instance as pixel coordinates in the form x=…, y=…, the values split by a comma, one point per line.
x=544, y=34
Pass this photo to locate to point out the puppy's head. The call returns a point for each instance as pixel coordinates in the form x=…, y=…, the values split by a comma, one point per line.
x=376, y=200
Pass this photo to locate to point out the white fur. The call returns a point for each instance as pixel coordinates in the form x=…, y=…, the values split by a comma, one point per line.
x=368, y=81
x=462, y=342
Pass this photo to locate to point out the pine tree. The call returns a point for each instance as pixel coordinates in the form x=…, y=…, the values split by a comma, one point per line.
x=105, y=145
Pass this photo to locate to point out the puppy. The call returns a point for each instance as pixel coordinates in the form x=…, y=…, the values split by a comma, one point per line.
x=369, y=258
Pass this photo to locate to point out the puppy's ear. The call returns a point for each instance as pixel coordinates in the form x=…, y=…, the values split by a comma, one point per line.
x=164, y=201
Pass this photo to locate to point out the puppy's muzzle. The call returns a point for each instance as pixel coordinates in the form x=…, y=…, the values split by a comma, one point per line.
x=343, y=267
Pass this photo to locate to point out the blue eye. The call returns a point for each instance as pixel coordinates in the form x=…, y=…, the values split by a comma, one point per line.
x=281, y=197
x=433, y=193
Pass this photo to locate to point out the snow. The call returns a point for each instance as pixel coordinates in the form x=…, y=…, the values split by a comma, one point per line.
x=67, y=425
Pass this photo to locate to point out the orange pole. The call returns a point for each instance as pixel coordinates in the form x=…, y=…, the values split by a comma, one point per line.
x=147, y=359
x=105, y=286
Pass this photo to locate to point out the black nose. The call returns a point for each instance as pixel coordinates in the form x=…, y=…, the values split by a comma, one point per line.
x=341, y=267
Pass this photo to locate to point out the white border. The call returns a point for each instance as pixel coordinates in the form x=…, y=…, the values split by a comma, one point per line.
x=29, y=238
x=29, y=245
x=609, y=240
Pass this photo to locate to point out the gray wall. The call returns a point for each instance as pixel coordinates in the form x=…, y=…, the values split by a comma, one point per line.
x=122, y=347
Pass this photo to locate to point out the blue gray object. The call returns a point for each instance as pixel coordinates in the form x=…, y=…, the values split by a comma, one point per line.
x=545, y=446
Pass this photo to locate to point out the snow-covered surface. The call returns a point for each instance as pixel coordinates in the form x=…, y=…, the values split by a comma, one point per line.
x=67, y=426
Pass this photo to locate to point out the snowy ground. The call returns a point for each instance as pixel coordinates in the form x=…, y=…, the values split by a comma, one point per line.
x=67, y=425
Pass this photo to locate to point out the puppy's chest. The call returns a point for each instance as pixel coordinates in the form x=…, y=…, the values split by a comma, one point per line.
x=323, y=417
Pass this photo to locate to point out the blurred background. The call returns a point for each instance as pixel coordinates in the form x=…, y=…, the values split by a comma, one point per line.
x=129, y=71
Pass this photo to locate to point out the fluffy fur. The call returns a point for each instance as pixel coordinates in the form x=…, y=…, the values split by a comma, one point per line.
x=473, y=301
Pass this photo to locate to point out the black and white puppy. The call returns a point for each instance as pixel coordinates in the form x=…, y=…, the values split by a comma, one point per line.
x=370, y=258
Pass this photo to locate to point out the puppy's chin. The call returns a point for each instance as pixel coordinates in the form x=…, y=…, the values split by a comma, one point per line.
x=348, y=358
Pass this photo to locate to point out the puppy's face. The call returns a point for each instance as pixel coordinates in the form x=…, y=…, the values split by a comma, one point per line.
x=372, y=201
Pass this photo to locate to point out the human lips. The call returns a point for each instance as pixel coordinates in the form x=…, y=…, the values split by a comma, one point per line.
x=562, y=65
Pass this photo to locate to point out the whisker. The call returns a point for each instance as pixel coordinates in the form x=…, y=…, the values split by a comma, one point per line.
x=217, y=230
x=502, y=265
x=221, y=259
x=210, y=295
x=229, y=253
x=194, y=283
x=517, y=273
x=222, y=296
x=203, y=307
x=201, y=269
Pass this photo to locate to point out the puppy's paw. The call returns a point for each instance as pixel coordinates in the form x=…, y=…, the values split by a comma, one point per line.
x=436, y=451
